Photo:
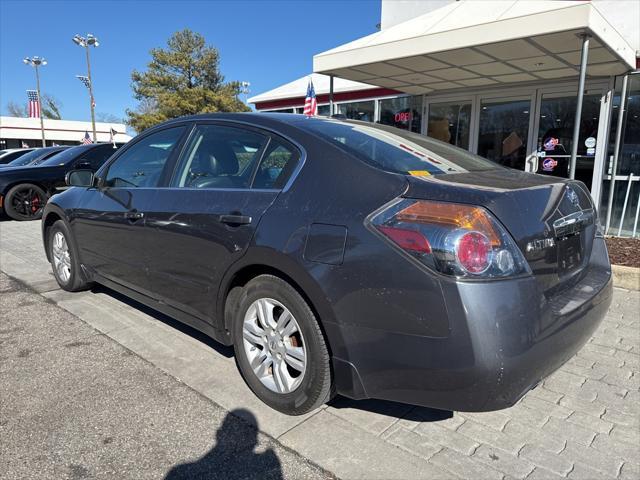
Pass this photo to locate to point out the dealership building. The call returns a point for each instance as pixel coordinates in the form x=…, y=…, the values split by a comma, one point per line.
x=501, y=79
x=16, y=132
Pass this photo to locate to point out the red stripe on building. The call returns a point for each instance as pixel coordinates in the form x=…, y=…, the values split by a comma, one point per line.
x=324, y=98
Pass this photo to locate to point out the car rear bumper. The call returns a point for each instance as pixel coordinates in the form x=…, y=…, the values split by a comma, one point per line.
x=504, y=338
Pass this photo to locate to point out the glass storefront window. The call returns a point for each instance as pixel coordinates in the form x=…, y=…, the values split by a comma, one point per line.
x=358, y=110
x=555, y=135
x=323, y=110
x=504, y=127
x=628, y=161
x=450, y=122
x=402, y=112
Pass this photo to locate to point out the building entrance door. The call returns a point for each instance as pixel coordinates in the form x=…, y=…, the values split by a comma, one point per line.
x=556, y=116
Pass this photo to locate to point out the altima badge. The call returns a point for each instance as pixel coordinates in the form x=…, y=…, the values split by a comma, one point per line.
x=540, y=244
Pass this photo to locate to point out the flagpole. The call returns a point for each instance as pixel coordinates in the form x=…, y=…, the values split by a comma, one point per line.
x=36, y=62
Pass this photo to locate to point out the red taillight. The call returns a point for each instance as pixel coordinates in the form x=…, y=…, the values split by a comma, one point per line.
x=473, y=251
x=451, y=238
x=407, y=239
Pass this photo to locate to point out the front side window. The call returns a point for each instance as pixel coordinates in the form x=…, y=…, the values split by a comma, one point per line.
x=98, y=155
x=219, y=157
x=142, y=164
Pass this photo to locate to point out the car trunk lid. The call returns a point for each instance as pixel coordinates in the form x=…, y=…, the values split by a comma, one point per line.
x=551, y=219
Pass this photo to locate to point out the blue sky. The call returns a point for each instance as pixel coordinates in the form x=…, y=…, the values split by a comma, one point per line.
x=267, y=43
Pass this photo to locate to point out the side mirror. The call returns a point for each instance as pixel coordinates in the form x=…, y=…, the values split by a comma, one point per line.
x=79, y=178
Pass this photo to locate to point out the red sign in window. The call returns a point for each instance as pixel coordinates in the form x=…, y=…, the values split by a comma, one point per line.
x=403, y=117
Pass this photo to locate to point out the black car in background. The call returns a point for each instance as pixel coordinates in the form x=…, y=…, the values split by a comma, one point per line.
x=11, y=154
x=34, y=157
x=342, y=256
x=25, y=190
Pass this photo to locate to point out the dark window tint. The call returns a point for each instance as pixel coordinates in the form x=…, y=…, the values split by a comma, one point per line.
x=278, y=163
x=396, y=150
x=219, y=157
x=141, y=164
x=98, y=155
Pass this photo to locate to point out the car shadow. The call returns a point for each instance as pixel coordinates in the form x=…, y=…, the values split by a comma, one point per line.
x=232, y=456
x=393, y=409
x=161, y=317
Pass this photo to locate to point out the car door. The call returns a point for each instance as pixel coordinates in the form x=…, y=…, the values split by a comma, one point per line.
x=109, y=227
x=205, y=219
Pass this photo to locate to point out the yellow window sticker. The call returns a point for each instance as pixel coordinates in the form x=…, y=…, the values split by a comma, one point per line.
x=419, y=173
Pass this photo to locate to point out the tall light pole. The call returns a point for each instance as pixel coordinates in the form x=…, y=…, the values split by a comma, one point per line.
x=86, y=42
x=37, y=62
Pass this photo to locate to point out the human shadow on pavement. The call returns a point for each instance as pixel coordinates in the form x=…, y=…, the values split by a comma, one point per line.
x=232, y=456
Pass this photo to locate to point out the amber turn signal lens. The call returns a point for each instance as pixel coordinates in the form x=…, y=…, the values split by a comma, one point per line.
x=451, y=214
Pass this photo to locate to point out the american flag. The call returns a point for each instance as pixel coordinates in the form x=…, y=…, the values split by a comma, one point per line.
x=87, y=83
x=310, y=101
x=34, y=104
x=86, y=140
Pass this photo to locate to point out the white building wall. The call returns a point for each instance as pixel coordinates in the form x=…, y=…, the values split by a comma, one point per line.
x=624, y=15
x=58, y=130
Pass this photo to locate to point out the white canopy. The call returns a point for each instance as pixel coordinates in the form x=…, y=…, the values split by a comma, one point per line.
x=478, y=43
x=298, y=88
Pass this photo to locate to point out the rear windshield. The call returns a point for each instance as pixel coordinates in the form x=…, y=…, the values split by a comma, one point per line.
x=30, y=157
x=396, y=150
x=64, y=156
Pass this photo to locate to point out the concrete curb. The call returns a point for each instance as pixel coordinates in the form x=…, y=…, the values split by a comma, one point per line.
x=626, y=277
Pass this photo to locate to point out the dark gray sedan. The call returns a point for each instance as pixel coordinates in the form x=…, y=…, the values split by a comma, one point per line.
x=342, y=257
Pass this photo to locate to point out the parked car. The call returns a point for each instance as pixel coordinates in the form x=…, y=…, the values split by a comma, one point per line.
x=11, y=154
x=341, y=256
x=24, y=190
x=34, y=157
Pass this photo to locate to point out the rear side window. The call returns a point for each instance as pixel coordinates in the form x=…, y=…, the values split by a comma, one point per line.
x=142, y=164
x=279, y=161
x=219, y=157
x=396, y=150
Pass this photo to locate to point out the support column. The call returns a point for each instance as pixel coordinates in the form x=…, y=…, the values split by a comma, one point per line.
x=616, y=149
x=330, y=95
x=576, y=124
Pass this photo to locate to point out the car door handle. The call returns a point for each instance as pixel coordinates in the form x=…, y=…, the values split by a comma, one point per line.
x=235, y=219
x=133, y=215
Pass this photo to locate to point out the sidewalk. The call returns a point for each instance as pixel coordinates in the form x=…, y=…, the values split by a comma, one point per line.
x=583, y=422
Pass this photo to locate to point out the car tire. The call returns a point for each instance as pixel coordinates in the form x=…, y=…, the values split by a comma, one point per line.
x=296, y=339
x=25, y=202
x=64, y=258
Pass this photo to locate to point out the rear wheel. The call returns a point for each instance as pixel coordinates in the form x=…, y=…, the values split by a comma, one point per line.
x=64, y=258
x=25, y=202
x=280, y=349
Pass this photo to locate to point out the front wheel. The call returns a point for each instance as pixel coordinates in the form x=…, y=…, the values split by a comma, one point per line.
x=64, y=258
x=279, y=347
x=25, y=202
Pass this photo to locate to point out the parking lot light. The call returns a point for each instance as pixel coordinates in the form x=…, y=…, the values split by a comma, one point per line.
x=86, y=42
x=37, y=62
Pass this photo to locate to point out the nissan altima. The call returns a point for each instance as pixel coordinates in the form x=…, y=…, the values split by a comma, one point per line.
x=342, y=257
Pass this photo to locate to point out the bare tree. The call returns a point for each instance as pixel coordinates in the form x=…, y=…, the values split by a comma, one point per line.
x=108, y=117
x=16, y=110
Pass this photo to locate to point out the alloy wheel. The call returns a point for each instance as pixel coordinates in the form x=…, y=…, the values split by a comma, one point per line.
x=274, y=345
x=61, y=257
x=28, y=202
